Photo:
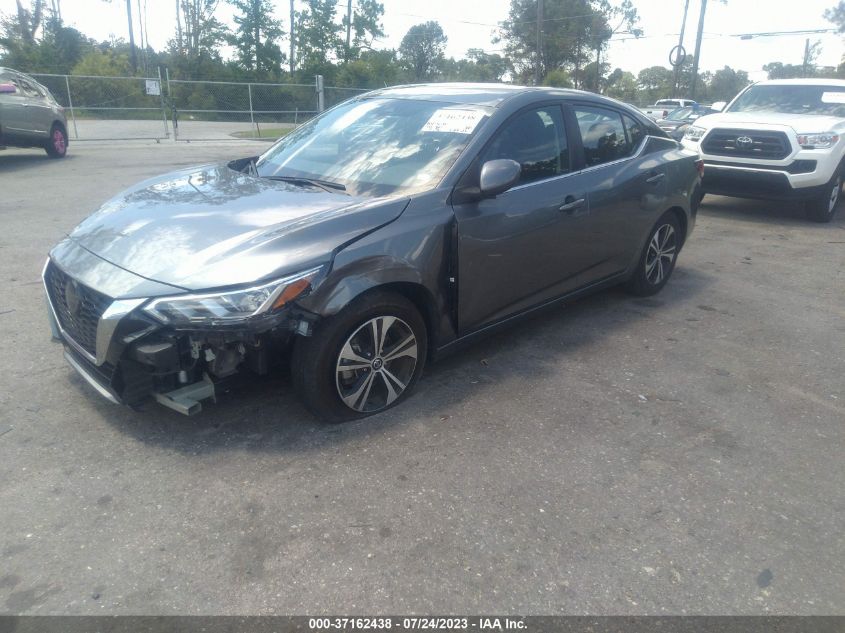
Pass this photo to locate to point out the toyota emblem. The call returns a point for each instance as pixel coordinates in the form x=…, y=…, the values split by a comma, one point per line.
x=744, y=142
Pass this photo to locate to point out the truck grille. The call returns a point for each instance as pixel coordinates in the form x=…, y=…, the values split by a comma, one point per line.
x=747, y=144
x=78, y=308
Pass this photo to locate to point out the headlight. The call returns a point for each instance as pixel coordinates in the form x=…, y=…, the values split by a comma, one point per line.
x=223, y=308
x=694, y=133
x=820, y=140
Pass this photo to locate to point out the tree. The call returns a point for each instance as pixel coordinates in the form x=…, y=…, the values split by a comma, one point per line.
x=726, y=84
x=202, y=33
x=836, y=15
x=256, y=35
x=317, y=35
x=366, y=26
x=622, y=85
x=421, y=50
x=573, y=33
x=655, y=83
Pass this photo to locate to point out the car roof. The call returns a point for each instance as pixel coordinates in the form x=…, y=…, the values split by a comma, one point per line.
x=480, y=94
x=815, y=81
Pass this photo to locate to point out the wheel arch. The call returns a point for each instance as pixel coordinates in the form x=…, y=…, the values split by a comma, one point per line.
x=347, y=285
x=683, y=221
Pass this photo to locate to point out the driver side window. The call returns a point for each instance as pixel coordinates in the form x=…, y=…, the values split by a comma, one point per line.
x=536, y=140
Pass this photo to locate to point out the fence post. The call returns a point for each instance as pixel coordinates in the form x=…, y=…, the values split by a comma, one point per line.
x=172, y=104
x=70, y=105
x=251, y=115
x=321, y=96
x=163, y=108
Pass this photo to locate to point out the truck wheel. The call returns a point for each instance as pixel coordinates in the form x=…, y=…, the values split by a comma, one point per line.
x=361, y=361
x=823, y=208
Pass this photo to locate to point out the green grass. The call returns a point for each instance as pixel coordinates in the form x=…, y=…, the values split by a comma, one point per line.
x=263, y=132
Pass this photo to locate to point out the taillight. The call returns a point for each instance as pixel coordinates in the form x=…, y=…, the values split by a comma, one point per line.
x=699, y=165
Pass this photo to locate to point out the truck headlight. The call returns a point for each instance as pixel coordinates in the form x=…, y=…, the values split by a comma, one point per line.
x=231, y=307
x=820, y=140
x=694, y=133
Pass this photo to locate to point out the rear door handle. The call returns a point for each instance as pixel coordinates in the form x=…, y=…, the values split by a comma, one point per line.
x=655, y=178
x=571, y=204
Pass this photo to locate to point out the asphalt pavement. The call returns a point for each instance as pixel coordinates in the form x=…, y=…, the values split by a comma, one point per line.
x=681, y=454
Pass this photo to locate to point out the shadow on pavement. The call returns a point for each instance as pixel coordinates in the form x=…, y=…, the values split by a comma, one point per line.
x=764, y=211
x=15, y=159
x=264, y=415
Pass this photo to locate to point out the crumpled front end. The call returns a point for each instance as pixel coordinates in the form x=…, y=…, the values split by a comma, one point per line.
x=127, y=355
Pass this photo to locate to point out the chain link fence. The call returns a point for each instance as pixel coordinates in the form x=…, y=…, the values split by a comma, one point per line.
x=125, y=108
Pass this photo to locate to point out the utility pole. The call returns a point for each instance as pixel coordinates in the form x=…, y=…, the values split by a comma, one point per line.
x=132, y=58
x=694, y=78
x=680, y=48
x=348, y=28
x=806, y=57
x=292, y=37
x=539, y=42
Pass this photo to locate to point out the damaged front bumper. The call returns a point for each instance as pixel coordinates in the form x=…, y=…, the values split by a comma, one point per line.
x=127, y=356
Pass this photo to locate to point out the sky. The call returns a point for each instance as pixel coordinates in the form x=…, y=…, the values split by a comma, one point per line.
x=472, y=24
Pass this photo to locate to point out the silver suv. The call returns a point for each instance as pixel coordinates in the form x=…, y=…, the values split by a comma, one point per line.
x=30, y=116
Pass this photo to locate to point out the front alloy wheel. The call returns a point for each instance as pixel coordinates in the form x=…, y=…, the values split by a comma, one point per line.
x=376, y=364
x=363, y=360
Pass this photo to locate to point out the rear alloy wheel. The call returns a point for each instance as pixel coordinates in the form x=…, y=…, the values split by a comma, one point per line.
x=57, y=145
x=363, y=360
x=823, y=208
x=658, y=258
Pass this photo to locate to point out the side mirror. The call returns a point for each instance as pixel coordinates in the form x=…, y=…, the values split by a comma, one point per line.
x=497, y=176
x=719, y=105
x=8, y=89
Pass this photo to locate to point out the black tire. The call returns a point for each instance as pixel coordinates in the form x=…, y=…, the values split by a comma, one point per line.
x=823, y=208
x=316, y=359
x=652, y=273
x=56, y=146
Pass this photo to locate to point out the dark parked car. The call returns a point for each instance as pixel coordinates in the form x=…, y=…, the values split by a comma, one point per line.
x=30, y=116
x=677, y=121
x=386, y=231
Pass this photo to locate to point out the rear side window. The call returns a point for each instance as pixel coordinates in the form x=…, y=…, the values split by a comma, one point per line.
x=536, y=140
x=636, y=131
x=602, y=135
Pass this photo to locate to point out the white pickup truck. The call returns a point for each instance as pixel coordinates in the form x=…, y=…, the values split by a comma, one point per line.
x=662, y=107
x=780, y=139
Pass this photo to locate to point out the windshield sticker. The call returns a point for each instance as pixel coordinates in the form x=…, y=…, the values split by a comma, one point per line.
x=453, y=121
x=833, y=97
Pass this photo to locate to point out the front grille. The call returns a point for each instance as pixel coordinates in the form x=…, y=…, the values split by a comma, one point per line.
x=764, y=145
x=78, y=308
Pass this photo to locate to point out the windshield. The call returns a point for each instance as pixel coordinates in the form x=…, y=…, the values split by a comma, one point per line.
x=376, y=146
x=829, y=100
x=680, y=114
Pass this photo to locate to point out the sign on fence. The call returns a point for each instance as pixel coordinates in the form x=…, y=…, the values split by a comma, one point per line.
x=153, y=87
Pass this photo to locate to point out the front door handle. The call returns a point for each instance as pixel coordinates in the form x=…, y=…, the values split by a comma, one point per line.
x=571, y=204
x=655, y=178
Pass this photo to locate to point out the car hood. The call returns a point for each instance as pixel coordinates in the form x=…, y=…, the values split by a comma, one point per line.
x=211, y=226
x=799, y=123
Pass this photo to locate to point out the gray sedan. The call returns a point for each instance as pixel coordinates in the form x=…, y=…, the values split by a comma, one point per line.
x=30, y=116
x=388, y=231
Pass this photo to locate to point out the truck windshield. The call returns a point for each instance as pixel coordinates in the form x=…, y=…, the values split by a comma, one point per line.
x=375, y=146
x=795, y=99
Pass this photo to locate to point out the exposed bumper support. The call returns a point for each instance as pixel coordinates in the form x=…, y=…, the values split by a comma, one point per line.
x=186, y=400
